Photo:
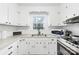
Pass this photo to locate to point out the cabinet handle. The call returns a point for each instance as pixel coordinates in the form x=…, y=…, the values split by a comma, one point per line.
x=48, y=52
x=6, y=22
x=10, y=47
x=28, y=52
x=20, y=40
x=10, y=53
x=17, y=46
x=29, y=42
x=9, y=22
x=23, y=39
x=52, y=39
x=40, y=43
x=26, y=42
x=49, y=42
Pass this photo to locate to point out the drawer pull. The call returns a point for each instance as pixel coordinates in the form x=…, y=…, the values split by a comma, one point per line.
x=10, y=53
x=17, y=46
x=48, y=52
x=26, y=42
x=49, y=42
x=40, y=43
x=44, y=46
x=52, y=39
x=10, y=47
x=23, y=39
x=28, y=52
x=29, y=42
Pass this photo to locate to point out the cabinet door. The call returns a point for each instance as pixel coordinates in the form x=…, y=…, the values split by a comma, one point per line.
x=14, y=48
x=34, y=46
x=13, y=16
x=6, y=50
x=51, y=47
x=21, y=47
x=3, y=13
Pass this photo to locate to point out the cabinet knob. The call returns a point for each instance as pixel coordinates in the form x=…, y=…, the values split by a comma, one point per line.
x=10, y=53
x=40, y=42
x=23, y=39
x=48, y=52
x=28, y=52
x=26, y=42
x=52, y=39
x=44, y=46
x=10, y=47
x=49, y=42
x=17, y=46
x=6, y=22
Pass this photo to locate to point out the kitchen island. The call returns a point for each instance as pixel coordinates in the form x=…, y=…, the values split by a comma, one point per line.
x=29, y=45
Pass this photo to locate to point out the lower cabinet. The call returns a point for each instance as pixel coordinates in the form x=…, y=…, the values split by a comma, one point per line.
x=32, y=46
x=21, y=46
x=38, y=46
x=9, y=50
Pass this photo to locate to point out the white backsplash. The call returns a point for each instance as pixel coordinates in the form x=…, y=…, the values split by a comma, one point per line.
x=6, y=34
x=0, y=35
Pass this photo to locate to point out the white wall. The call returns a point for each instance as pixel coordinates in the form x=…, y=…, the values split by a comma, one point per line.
x=56, y=15
x=53, y=17
x=67, y=11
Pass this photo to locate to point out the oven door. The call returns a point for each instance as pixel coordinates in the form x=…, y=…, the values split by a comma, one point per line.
x=64, y=50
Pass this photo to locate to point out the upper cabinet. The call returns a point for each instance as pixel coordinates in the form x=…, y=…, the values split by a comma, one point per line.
x=67, y=11
x=3, y=13
x=9, y=13
x=13, y=14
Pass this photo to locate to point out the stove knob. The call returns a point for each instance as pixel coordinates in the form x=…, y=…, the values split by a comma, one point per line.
x=69, y=43
x=72, y=44
x=77, y=46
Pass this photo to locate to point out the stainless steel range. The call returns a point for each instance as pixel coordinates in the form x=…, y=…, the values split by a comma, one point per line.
x=66, y=47
x=68, y=44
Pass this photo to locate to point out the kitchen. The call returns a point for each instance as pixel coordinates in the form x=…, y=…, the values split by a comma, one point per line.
x=39, y=29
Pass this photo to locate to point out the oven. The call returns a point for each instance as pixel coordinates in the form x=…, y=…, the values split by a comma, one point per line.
x=65, y=50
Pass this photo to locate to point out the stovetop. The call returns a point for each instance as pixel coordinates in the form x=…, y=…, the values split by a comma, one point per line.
x=73, y=43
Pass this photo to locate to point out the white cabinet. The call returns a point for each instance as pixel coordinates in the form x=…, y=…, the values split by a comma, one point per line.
x=8, y=13
x=38, y=46
x=21, y=46
x=9, y=50
x=13, y=15
x=3, y=13
x=31, y=46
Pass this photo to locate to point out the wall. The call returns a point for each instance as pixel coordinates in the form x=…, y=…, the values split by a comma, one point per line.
x=57, y=14
x=69, y=10
x=25, y=17
x=6, y=31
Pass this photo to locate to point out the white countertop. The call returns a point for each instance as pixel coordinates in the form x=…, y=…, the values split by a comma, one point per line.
x=6, y=42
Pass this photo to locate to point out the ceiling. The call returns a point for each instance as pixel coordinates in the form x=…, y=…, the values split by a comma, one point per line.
x=39, y=4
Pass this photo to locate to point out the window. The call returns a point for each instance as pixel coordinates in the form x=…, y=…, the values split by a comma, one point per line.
x=38, y=22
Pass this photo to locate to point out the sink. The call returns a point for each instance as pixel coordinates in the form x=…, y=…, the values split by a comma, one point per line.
x=41, y=35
